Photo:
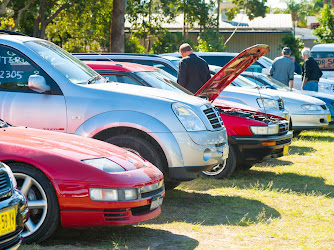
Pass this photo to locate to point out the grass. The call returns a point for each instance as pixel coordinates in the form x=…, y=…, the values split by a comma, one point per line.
x=285, y=203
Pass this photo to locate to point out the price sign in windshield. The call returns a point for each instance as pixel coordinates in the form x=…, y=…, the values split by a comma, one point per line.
x=325, y=63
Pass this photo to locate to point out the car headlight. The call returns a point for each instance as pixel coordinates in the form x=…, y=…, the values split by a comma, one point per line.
x=264, y=130
x=111, y=194
x=10, y=175
x=105, y=165
x=187, y=117
x=267, y=103
x=152, y=187
x=312, y=107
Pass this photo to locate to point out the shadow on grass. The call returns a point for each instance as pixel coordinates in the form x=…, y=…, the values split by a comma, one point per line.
x=286, y=182
x=126, y=237
x=294, y=150
x=204, y=209
x=325, y=138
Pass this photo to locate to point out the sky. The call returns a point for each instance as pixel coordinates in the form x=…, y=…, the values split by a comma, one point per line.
x=276, y=4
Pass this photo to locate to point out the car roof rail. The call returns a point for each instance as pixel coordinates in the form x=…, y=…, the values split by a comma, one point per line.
x=10, y=32
x=117, y=54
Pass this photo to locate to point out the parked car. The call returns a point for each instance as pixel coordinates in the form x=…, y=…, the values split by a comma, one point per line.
x=74, y=181
x=306, y=112
x=247, y=145
x=262, y=65
x=323, y=53
x=13, y=210
x=48, y=88
x=268, y=82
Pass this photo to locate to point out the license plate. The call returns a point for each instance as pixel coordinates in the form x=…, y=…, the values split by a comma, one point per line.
x=329, y=118
x=285, y=150
x=7, y=221
x=156, y=202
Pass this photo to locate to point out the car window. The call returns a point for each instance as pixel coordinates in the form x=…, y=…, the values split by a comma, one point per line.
x=15, y=69
x=325, y=60
x=129, y=80
x=255, y=67
x=217, y=60
x=108, y=77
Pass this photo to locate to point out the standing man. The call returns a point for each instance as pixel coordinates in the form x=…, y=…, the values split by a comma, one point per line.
x=310, y=71
x=193, y=70
x=298, y=68
x=283, y=68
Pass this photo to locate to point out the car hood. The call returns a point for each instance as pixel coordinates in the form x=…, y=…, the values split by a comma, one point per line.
x=68, y=146
x=148, y=92
x=233, y=105
x=212, y=88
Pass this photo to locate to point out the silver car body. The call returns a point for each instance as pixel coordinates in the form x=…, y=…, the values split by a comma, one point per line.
x=97, y=109
x=297, y=104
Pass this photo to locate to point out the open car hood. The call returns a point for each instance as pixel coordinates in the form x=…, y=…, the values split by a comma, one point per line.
x=212, y=88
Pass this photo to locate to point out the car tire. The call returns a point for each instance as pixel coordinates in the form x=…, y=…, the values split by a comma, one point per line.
x=139, y=146
x=44, y=215
x=224, y=170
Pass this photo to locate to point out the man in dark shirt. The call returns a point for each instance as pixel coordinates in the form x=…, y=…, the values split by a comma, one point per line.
x=193, y=70
x=310, y=71
x=298, y=68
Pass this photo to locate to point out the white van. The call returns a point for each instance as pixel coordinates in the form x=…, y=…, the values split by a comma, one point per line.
x=324, y=55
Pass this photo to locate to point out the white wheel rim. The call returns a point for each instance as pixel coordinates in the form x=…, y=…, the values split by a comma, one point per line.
x=41, y=204
x=216, y=169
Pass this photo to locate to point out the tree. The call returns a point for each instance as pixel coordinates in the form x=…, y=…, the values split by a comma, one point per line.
x=325, y=32
x=117, y=26
x=253, y=8
x=294, y=43
x=210, y=41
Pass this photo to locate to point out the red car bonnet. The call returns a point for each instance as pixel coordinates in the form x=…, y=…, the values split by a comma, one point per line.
x=212, y=88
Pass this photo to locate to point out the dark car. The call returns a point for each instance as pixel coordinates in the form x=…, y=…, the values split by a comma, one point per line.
x=13, y=210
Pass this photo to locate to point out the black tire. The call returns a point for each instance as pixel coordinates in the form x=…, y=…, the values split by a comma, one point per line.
x=224, y=170
x=141, y=147
x=44, y=218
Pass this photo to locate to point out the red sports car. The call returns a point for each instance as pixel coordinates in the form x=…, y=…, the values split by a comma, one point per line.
x=78, y=182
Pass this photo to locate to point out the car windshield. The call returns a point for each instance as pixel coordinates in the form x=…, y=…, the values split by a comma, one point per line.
x=162, y=80
x=243, y=82
x=273, y=82
x=71, y=67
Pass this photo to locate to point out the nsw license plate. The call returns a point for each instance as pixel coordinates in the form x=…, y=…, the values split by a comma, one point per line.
x=7, y=221
x=285, y=150
x=329, y=118
x=156, y=202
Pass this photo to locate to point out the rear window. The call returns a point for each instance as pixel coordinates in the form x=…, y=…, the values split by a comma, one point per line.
x=325, y=60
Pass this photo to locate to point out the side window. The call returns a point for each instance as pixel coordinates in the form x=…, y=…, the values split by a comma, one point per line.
x=129, y=80
x=165, y=68
x=15, y=69
x=109, y=77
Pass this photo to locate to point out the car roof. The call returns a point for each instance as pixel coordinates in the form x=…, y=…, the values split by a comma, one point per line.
x=118, y=66
x=177, y=54
x=323, y=47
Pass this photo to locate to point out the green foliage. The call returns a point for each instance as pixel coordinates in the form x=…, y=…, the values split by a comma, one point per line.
x=325, y=32
x=294, y=43
x=6, y=23
x=210, y=41
x=132, y=45
x=167, y=42
x=83, y=27
x=254, y=8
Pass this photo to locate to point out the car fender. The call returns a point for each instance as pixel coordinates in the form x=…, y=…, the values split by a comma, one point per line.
x=139, y=121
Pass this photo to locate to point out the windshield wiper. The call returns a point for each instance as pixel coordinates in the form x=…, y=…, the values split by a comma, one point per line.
x=93, y=79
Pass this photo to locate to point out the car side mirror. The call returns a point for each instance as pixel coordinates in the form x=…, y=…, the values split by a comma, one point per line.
x=37, y=83
x=265, y=71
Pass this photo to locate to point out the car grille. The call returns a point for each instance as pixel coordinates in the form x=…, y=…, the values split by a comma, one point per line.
x=283, y=127
x=10, y=240
x=116, y=214
x=5, y=187
x=214, y=118
x=280, y=104
x=285, y=141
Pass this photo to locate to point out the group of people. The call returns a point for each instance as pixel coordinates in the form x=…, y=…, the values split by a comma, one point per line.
x=283, y=69
x=194, y=71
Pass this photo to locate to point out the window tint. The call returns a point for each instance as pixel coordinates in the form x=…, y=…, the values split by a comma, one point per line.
x=15, y=69
x=217, y=60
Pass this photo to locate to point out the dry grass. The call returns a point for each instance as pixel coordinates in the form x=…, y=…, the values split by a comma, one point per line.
x=286, y=203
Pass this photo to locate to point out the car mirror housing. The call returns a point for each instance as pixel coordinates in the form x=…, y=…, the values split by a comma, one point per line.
x=37, y=83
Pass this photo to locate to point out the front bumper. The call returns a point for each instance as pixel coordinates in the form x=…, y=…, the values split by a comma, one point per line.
x=252, y=149
x=310, y=121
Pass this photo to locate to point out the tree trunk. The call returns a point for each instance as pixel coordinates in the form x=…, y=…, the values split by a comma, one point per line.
x=18, y=18
x=117, y=26
x=3, y=6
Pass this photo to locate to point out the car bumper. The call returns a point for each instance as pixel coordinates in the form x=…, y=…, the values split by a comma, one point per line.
x=310, y=121
x=13, y=239
x=253, y=149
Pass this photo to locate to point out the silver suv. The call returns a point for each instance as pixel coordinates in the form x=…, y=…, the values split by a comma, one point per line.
x=43, y=86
